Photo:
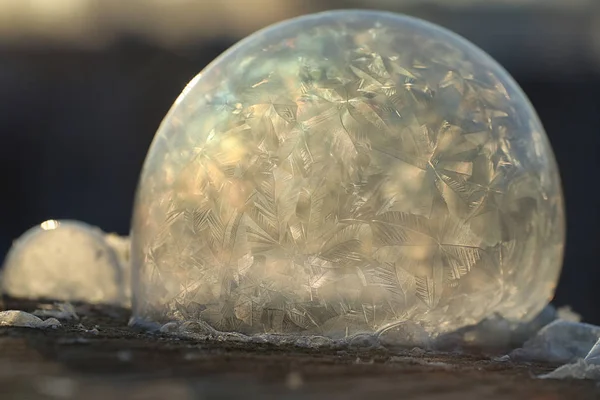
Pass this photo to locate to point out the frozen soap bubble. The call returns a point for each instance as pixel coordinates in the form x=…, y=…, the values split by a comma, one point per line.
x=345, y=172
x=66, y=261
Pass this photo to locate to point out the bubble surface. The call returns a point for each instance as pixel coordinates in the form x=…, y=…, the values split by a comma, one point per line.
x=343, y=173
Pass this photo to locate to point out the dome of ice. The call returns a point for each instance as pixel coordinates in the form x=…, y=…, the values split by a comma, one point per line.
x=68, y=261
x=342, y=173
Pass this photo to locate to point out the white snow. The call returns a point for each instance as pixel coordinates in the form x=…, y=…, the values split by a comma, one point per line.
x=580, y=369
x=121, y=245
x=576, y=344
x=68, y=261
x=25, y=320
x=586, y=368
x=559, y=341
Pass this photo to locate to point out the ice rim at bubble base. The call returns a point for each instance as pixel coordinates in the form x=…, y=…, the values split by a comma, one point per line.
x=415, y=156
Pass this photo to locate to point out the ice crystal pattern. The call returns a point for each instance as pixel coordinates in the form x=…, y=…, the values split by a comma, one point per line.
x=342, y=173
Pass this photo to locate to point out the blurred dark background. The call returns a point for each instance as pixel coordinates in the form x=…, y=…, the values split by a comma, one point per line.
x=84, y=85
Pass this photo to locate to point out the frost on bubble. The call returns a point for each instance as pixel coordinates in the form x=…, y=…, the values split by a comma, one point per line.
x=66, y=261
x=344, y=173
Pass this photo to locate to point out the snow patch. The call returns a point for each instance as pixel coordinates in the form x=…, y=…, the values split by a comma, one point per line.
x=68, y=261
x=23, y=319
x=581, y=369
x=559, y=341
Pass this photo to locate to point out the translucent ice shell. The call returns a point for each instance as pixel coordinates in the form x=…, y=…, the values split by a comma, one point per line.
x=342, y=173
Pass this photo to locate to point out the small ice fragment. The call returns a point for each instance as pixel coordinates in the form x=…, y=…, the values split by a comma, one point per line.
x=58, y=310
x=587, y=368
x=93, y=331
x=314, y=342
x=365, y=341
x=406, y=334
x=417, y=352
x=419, y=361
x=198, y=330
x=560, y=341
x=593, y=356
x=581, y=369
x=197, y=327
x=67, y=261
x=232, y=337
x=25, y=320
x=169, y=327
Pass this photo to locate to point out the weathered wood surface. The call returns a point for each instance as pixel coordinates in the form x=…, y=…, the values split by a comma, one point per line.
x=77, y=362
